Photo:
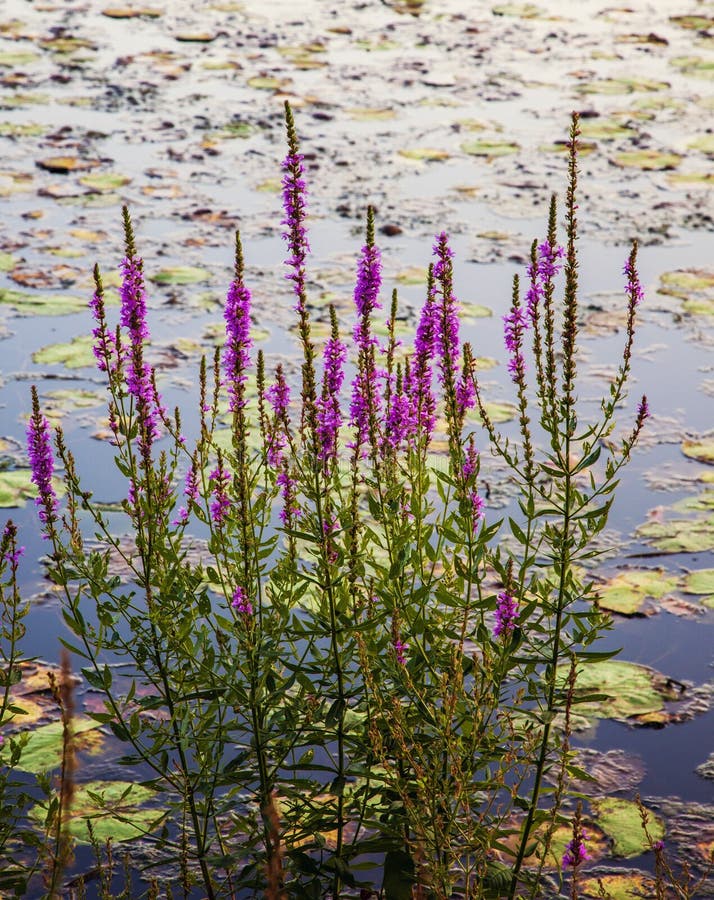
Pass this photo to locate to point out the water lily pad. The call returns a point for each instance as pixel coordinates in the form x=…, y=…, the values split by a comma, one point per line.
x=429, y=154
x=706, y=769
x=693, y=22
x=104, y=181
x=59, y=403
x=119, y=815
x=679, y=535
x=647, y=160
x=627, y=886
x=627, y=592
x=498, y=413
x=704, y=144
x=268, y=82
x=696, y=66
x=620, y=86
x=16, y=487
x=129, y=12
x=475, y=311
x=75, y=354
x=7, y=261
x=621, y=821
x=412, y=275
x=490, y=148
x=694, y=286
x=28, y=304
x=195, y=37
x=181, y=275
x=701, y=581
x=603, y=129
x=21, y=129
x=635, y=693
x=43, y=751
x=370, y=114
x=693, y=179
x=9, y=59
x=519, y=10
x=65, y=164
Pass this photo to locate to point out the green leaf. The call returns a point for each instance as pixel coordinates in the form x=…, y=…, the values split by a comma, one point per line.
x=398, y=875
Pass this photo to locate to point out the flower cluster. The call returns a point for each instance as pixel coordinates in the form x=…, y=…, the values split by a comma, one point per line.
x=295, y=207
x=39, y=451
x=278, y=396
x=575, y=852
x=238, y=342
x=329, y=417
x=240, y=603
x=400, y=650
x=220, y=478
x=506, y=614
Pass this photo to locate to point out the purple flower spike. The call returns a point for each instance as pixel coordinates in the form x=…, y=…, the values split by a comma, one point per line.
x=39, y=450
x=240, y=603
x=447, y=318
x=238, y=341
x=400, y=649
x=295, y=207
x=278, y=395
x=633, y=289
x=220, y=478
x=575, y=852
x=514, y=324
x=506, y=614
x=328, y=414
x=133, y=299
x=369, y=281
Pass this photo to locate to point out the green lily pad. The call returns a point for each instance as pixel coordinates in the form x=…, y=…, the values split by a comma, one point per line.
x=635, y=693
x=519, y=10
x=16, y=487
x=474, y=311
x=370, y=114
x=104, y=181
x=647, y=160
x=704, y=144
x=490, y=148
x=693, y=22
x=627, y=886
x=231, y=131
x=7, y=262
x=119, y=815
x=21, y=129
x=679, y=535
x=620, y=819
x=28, y=304
x=428, y=154
x=181, y=275
x=9, y=59
x=76, y=354
x=43, y=751
x=268, y=82
x=702, y=502
x=59, y=403
x=412, y=275
x=621, y=86
x=498, y=413
x=696, y=66
x=693, y=179
x=627, y=591
x=694, y=286
x=603, y=129
x=701, y=581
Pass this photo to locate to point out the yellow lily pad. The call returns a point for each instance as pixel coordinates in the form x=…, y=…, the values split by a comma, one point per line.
x=428, y=154
x=129, y=12
x=647, y=160
x=701, y=581
x=603, y=129
x=702, y=450
x=694, y=286
x=704, y=144
x=268, y=82
x=621, y=821
x=370, y=114
x=65, y=164
x=9, y=59
x=629, y=886
x=693, y=22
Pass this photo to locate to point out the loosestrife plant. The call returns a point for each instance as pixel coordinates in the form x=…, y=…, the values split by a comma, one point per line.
x=316, y=644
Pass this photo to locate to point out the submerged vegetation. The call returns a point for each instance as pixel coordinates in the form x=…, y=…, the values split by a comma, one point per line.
x=332, y=671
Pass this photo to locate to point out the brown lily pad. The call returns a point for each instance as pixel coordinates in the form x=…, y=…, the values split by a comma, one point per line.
x=65, y=164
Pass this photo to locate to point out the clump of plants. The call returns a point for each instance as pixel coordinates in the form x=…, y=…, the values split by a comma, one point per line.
x=363, y=678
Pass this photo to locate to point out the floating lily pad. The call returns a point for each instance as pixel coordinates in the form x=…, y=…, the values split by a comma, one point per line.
x=635, y=693
x=129, y=12
x=43, y=751
x=706, y=769
x=59, y=403
x=694, y=286
x=65, y=164
x=519, y=10
x=498, y=412
x=15, y=487
x=696, y=66
x=104, y=181
x=620, y=886
x=693, y=22
x=120, y=815
x=474, y=311
x=369, y=114
x=693, y=179
x=704, y=144
x=268, y=82
x=76, y=354
x=412, y=275
x=28, y=304
x=21, y=129
x=647, y=160
x=701, y=581
x=490, y=148
x=7, y=262
x=679, y=535
x=195, y=37
x=602, y=129
x=9, y=59
x=181, y=275
x=627, y=592
x=428, y=154
x=621, y=821
x=620, y=86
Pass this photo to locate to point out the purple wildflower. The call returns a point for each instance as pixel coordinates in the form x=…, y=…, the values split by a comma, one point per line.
x=506, y=614
x=514, y=324
x=133, y=299
x=290, y=510
x=633, y=289
x=11, y=552
x=643, y=411
x=328, y=414
x=278, y=395
x=39, y=450
x=418, y=374
x=241, y=603
x=362, y=394
x=369, y=280
x=295, y=207
x=238, y=341
x=575, y=852
x=104, y=347
x=658, y=846
x=220, y=478
x=400, y=649
x=446, y=339
x=465, y=393
x=469, y=471
x=548, y=256
x=397, y=421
